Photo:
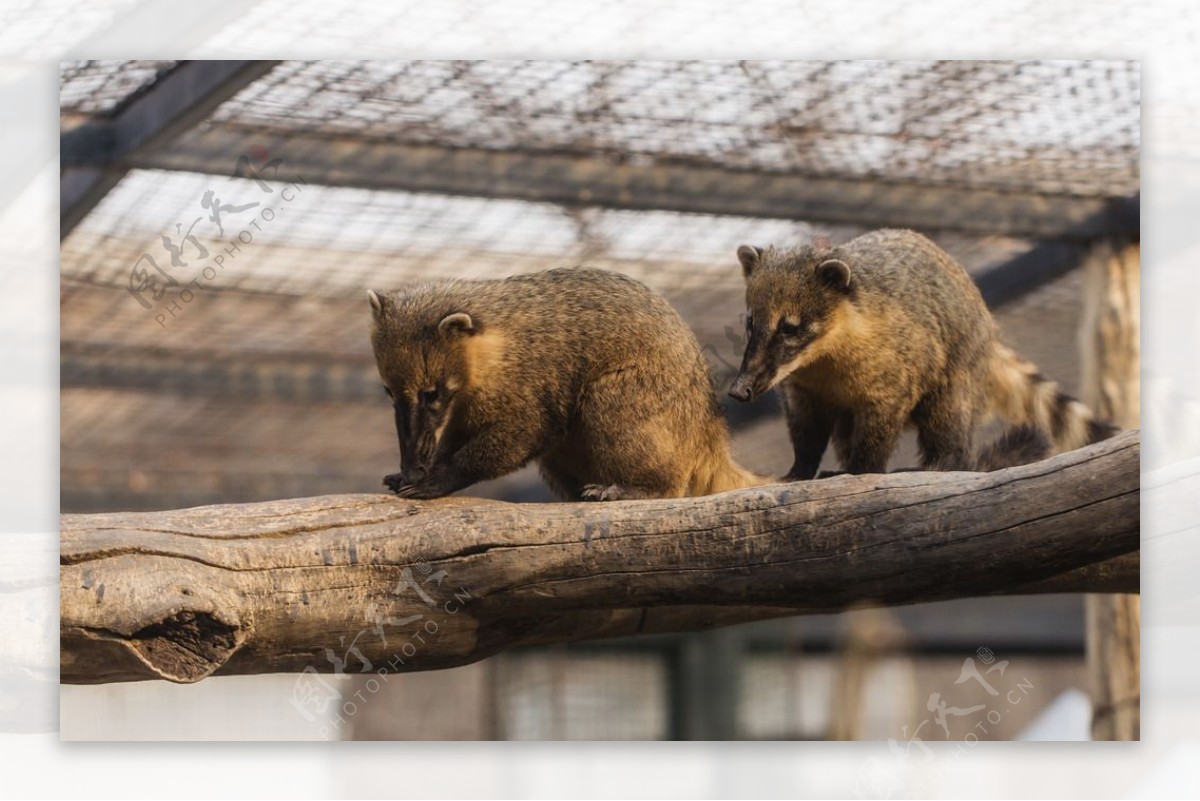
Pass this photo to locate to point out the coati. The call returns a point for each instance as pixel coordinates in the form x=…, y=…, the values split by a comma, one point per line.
x=883, y=331
x=587, y=371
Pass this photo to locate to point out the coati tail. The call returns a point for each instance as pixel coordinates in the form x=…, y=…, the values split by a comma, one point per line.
x=1018, y=445
x=720, y=473
x=737, y=477
x=1020, y=394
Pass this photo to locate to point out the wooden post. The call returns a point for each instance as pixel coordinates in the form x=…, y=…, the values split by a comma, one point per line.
x=706, y=686
x=869, y=634
x=1110, y=339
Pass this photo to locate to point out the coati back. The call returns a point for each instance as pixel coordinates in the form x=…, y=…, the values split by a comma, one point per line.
x=588, y=372
x=886, y=330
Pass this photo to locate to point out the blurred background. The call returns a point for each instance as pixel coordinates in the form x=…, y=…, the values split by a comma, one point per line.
x=222, y=219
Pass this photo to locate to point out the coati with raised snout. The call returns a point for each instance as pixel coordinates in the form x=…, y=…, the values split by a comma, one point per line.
x=589, y=372
x=888, y=330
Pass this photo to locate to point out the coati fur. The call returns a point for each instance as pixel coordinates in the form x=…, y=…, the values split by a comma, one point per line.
x=1022, y=444
x=588, y=372
x=888, y=330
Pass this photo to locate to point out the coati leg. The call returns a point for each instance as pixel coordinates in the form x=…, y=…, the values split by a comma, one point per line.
x=646, y=456
x=633, y=467
x=944, y=424
x=564, y=469
x=865, y=438
x=555, y=472
x=810, y=423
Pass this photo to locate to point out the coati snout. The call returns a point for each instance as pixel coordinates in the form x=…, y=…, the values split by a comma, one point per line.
x=788, y=313
x=424, y=388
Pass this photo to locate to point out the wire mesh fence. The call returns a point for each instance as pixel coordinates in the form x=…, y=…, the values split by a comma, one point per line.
x=1055, y=127
x=262, y=384
x=100, y=88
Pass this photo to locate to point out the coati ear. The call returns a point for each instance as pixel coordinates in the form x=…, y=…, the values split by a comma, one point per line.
x=457, y=323
x=376, y=303
x=835, y=273
x=749, y=255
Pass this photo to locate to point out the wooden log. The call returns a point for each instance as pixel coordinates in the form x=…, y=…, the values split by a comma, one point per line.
x=360, y=583
x=1111, y=345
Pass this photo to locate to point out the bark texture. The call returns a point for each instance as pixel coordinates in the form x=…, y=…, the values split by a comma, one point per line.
x=355, y=583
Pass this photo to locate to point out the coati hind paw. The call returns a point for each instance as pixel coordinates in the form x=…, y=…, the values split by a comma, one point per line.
x=600, y=492
x=611, y=492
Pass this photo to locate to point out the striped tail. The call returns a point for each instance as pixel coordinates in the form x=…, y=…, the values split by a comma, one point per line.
x=1022, y=395
x=1016, y=446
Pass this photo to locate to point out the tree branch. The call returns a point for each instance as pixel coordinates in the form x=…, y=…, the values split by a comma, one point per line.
x=322, y=582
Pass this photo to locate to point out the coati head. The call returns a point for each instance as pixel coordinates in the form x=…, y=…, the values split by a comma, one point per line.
x=424, y=361
x=792, y=298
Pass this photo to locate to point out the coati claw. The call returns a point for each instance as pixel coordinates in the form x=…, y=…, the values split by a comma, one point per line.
x=426, y=488
x=593, y=492
x=600, y=492
x=417, y=492
x=616, y=492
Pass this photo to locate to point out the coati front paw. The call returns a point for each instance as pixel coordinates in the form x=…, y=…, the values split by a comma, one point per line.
x=420, y=490
x=434, y=484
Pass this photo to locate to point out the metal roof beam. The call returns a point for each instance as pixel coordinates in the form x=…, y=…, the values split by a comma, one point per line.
x=576, y=179
x=97, y=153
x=1046, y=261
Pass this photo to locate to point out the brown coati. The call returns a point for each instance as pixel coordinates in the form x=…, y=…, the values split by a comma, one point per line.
x=588, y=372
x=883, y=331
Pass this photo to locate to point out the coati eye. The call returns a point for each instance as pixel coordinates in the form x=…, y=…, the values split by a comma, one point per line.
x=788, y=329
x=428, y=397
